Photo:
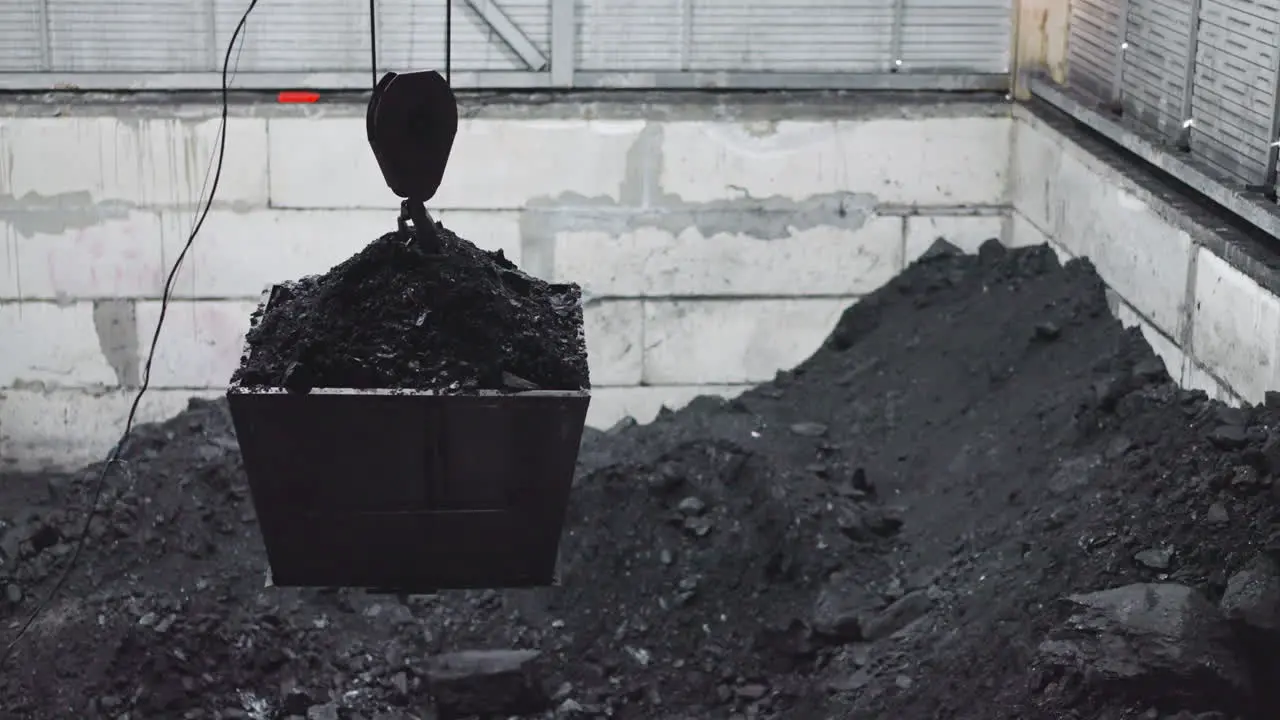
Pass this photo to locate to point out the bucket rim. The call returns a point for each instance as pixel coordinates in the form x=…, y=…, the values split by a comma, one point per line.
x=247, y=352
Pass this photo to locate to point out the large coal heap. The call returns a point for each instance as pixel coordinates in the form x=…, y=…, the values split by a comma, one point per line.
x=396, y=317
x=981, y=499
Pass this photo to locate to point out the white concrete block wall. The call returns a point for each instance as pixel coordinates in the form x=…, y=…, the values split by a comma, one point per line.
x=1214, y=325
x=713, y=252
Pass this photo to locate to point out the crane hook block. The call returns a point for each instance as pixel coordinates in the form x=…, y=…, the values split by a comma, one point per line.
x=412, y=121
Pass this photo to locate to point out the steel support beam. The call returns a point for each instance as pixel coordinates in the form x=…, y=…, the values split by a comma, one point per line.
x=564, y=32
x=1183, y=136
x=896, y=32
x=43, y=27
x=509, y=33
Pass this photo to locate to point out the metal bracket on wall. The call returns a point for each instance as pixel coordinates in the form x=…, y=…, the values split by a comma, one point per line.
x=564, y=41
x=1122, y=34
x=1273, y=149
x=509, y=33
x=1183, y=138
x=895, y=34
x=46, y=49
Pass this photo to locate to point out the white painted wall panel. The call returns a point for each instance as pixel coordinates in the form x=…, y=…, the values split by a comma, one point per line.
x=21, y=29
x=956, y=35
x=130, y=36
x=629, y=35
x=331, y=37
x=1093, y=46
x=411, y=34
x=780, y=36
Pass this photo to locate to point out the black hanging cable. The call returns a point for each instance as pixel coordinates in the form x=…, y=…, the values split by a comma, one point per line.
x=373, y=43
x=165, y=299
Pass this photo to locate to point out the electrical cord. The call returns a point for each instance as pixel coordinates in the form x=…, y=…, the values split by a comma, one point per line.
x=165, y=299
x=373, y=43
x=167, y=295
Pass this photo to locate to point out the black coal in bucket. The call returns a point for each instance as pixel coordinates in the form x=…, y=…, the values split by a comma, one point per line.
x=414, y=490
x=409, y=491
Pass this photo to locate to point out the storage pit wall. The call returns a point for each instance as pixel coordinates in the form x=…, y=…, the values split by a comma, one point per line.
x=1200, y=283
x=718, y=238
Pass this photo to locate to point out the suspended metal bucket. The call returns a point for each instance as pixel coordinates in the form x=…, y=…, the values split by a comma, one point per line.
x=409, y=491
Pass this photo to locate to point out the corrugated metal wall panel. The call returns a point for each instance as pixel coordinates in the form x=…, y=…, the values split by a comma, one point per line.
x=781, y=36
x=1234, y=98
x=21, y=35
x=956, y=35
x=297, y=35
x=1158, y=62
x=625, y=35
x=333, y=35
x=1093, y=46
x=130, y=36
x=411, y=34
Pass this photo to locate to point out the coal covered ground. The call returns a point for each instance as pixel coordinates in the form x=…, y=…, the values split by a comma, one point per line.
x=982, y=498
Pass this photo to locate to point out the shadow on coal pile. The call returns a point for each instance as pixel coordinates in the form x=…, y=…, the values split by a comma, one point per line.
x=981, y=499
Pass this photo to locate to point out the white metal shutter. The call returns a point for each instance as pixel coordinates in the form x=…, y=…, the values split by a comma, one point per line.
x=411, y=34
x=1234, y=101
x=956, y=36
x=129, y=35
x=1158, y=64
x=785, y=36
x=296, y=35
x=21, y=36
x=735, y=35
x=1093, y=47
x=632, y=35
x=333, y=35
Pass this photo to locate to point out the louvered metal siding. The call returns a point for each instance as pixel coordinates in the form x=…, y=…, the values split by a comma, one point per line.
x=779, y=36
x=783, y=36
x=1159, y=63
x=1234, y=98
x=300, y=36
x=627, y=35
x=297, y=35
x=139, y=36
x=411, y=34
x=121, y=41
x=333, y=35
x=1093, y=46
x=956, y=35
x=734, y=35
x=21, y=36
